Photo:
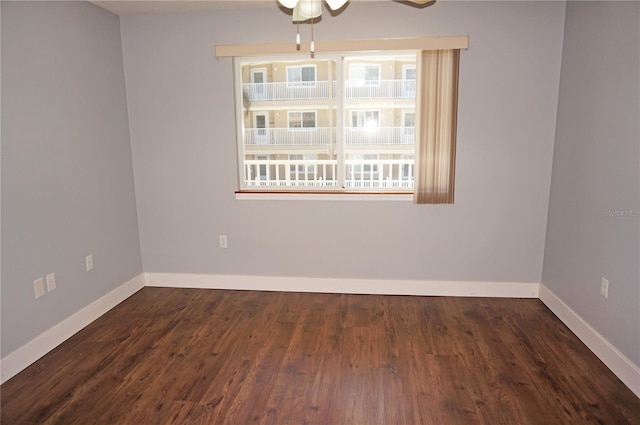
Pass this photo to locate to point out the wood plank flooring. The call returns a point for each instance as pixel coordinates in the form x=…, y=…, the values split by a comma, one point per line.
x=187, y=356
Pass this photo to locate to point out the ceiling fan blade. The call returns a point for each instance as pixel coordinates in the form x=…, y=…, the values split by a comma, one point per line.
x=289, y=4
x=420, y=1
x=306, y=9
x=335, y=4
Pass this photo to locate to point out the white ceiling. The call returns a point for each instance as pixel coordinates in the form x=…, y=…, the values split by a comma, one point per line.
x=140, y=7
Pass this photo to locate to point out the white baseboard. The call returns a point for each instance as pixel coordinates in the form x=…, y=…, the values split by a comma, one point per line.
x=24, y=356
x=620, y=365
x=345, y=286
x=627, y=371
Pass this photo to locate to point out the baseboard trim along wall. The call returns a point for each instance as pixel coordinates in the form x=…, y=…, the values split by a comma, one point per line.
x=620, y=365
x=24, y=356
x=345, y=286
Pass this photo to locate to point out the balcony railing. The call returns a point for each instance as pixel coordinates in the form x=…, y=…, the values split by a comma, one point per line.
x=290, y=173
x=320, y=136
x=380, y=89
x=284, y=136
x=379, y=174
x=380, y=136
x=354, y=89
x=359, y=174
x=287, y=91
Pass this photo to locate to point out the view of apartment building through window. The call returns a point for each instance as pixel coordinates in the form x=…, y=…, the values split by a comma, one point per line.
x=328, y=122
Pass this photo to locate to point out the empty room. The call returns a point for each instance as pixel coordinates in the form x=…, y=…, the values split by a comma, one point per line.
x=320, y=212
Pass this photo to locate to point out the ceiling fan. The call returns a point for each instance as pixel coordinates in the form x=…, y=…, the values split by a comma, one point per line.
x=304, y=10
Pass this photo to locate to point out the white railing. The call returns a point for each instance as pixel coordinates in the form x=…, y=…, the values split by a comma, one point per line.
x=354, y=89
x=287, y=91
x=379, y=174
x=285, y=136
x=359, y=174
x=380, y=136
x=321, y=136
x=380, y=89
x=290, y=173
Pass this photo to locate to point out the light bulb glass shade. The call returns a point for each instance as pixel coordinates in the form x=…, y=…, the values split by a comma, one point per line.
x=337, y=4
x=306, y=9
x=289, y=4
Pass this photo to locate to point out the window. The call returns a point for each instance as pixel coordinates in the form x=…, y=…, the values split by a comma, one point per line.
x=361, y=74
x=258, y=83
x=406, y=144
x=409, y=80
x=368, y=120
x=409, y=126
x=302, y=120
x=329, y=139
x=301, y=76
x=260, y=127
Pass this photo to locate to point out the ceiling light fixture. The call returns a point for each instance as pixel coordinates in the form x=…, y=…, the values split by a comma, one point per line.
x=308, y=10
x=305, y=10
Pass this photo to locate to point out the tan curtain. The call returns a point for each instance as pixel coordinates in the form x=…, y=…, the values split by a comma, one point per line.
x=436, y=113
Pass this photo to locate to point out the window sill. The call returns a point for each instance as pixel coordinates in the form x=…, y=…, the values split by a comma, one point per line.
x=323, y=196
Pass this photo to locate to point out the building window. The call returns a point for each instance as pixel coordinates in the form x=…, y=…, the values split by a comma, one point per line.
x=328, y=137
x=301, y=76
x=340, y=144
x=368, y=120
x=258, y=83
x=431, y=64
x=409, y=80
x=361, y=74
x=302, y=120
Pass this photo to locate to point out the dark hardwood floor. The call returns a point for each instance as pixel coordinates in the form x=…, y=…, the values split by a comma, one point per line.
x=182, y=356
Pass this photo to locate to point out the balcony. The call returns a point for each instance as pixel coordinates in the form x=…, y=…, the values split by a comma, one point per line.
x=391, y=174
x=380, y=89
x=287, y=91
x=380, y=136
x=284, y=136
x=320, y=136
x=354, y=89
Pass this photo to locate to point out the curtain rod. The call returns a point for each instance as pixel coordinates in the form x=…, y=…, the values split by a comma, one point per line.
x=338, y=46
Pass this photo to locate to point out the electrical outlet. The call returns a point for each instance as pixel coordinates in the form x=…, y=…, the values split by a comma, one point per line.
x=38, y=287
x=51, y=282
x=89, y=261
x=604, y=288
x=223, y=241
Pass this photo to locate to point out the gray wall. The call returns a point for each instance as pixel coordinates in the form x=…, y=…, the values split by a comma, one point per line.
x=593, y=228
x=67, y=181
x=181, y=114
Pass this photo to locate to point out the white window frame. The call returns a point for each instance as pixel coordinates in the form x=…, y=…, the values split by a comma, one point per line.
x=302, y=127
x=364, y=112
x=363, y=82
x=302, y=83
x=404, y=125
x=338, y=147
x=407, y=89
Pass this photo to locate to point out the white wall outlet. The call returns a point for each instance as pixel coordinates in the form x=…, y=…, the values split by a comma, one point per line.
x=51, y=282
x=89, y=261
x=38, y=287
x=223, y=241
x=604, y=288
